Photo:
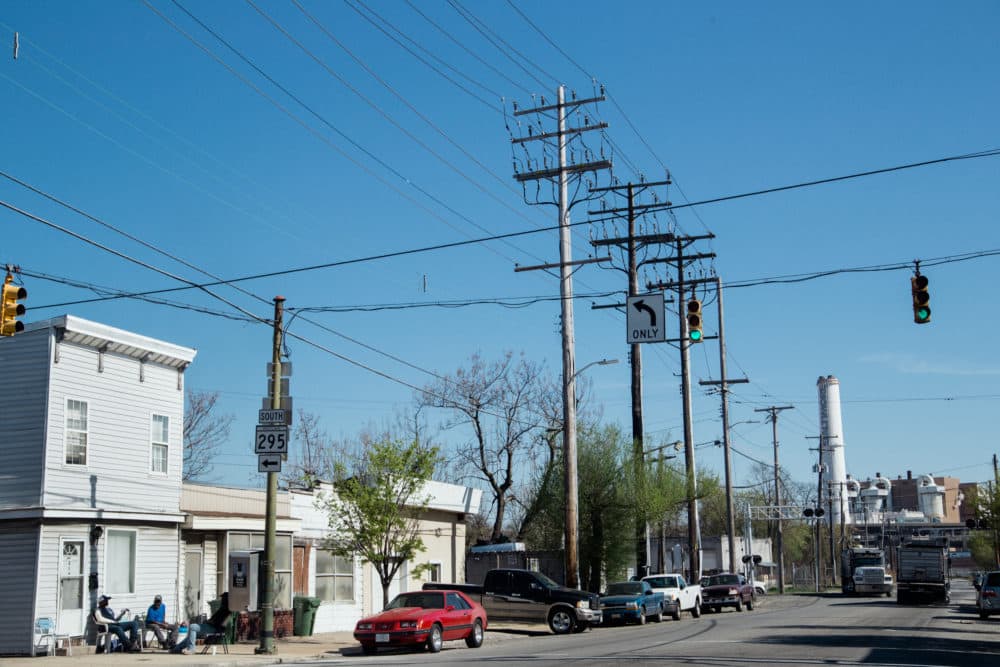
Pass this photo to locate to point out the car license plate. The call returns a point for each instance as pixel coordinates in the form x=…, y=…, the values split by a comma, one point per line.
x=382, y=637
x=616, y=615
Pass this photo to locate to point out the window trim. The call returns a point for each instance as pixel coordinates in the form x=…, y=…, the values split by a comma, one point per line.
x=67, y=430
x=353, y=574
x=153, y=444
x=135, y=558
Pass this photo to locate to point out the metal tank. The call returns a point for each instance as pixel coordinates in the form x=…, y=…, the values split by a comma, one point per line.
x=931, y=497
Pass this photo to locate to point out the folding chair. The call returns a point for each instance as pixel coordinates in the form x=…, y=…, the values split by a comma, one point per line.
x=45, y=636
x=222, y=637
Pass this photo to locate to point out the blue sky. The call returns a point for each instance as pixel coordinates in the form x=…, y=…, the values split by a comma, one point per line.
x=111, y=109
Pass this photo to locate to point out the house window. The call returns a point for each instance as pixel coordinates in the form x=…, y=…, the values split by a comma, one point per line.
x=434, y=574
x=119, y=565
x=160, y=446
x=334, y=577
x=76, y=432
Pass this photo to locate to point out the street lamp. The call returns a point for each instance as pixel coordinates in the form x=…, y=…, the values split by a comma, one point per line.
x=570, y=474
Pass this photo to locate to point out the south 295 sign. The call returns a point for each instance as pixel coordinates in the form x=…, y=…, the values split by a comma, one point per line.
x=271, y=440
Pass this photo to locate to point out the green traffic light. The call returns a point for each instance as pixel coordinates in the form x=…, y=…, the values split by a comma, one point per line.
x=923, y=314
x=696, y=335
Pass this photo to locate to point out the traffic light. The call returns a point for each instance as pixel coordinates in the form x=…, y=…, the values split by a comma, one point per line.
x=921, y=299
x=694, y=321
x=10, y=325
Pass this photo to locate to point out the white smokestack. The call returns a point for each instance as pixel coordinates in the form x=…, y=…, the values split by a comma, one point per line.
x=832, y=443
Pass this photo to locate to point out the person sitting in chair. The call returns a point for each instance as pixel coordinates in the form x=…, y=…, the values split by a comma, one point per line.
x=105, y=615
x=215, y=624
x=156, y=617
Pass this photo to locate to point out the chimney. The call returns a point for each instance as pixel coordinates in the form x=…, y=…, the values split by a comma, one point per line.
x=909, y=474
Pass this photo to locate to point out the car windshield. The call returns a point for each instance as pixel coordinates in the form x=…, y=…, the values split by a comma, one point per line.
x=723, y=580
x=424, y=600
x=545, y=581
x=662, y=582
x=625, y=588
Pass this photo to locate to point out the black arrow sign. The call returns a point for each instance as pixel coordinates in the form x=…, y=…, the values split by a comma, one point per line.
x=270, y=463
x=640, y=306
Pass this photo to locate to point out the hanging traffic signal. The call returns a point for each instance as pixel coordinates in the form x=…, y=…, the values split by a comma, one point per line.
x=921, y=299
x=10, y=307
x=695, y=334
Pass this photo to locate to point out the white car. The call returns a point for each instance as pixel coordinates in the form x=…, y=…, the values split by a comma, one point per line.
x=759, y=587
x=675, y=588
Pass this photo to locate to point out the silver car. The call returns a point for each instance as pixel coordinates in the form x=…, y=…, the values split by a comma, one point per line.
x=988, y=596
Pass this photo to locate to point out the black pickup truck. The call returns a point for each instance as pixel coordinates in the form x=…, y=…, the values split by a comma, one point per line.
x=523, y=596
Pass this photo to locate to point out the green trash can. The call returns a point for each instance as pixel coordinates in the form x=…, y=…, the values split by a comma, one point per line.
x=298, y=606
x=309, y=613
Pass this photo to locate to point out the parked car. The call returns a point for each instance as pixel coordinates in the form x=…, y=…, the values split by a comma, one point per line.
x=523, y=596
x=726, y=590
x=678, y=595
x=988, y=596
x=759, y=587
x=631, y=601
x=424, y=618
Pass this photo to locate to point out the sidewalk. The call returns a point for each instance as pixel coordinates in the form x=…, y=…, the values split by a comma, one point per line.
x=240, y=655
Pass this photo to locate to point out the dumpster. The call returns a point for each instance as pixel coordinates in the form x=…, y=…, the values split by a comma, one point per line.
x=305, y=615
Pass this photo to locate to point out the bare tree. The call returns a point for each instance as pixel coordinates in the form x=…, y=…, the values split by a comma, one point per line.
x=499, y=403
x=204, y=430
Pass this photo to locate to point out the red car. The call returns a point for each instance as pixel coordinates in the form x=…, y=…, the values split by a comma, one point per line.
x=424, y=618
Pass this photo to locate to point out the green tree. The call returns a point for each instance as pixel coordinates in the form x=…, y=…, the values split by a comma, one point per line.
x=375, y=507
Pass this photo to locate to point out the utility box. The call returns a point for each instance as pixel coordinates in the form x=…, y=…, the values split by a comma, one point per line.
x=244, y=580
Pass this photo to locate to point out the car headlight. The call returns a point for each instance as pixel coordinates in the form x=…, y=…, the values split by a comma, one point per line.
x=631, y=605
x=733, y=591
x=364, y=626
x=583, y=604
x=672, y=597
x=407, y=624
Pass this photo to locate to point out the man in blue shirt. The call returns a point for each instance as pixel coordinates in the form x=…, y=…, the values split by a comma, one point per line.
x=156, y=620
x=105, y=615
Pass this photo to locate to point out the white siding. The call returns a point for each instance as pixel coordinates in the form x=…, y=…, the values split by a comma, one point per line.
x=24, y=363
x=155, y=571
x=210, y=570
x=119, y=412
x=18, y=553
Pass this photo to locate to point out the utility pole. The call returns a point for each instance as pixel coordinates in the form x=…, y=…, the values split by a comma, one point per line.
x=632, y=244
x=561, y=175
x=271, y=518
x=724, y=383
x=833, y=561
x=773, y=417
x=820, y=468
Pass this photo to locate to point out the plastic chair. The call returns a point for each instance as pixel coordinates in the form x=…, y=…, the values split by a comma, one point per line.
x=45, y=636
x=222, y=637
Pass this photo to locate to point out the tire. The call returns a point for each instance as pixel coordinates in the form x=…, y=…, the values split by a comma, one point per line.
x=739, y=604
x=696, y=609
x=579, y=627
x=561, y=622
x=368, y=649
x=677, y=614
x=475, y=638
x=658, y=616
x=434, y=640
x=888, y=594
x=642, y=616
x=750, y=604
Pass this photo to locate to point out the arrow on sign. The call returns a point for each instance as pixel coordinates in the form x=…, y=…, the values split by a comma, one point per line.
x=640, y=306
x=270, y=463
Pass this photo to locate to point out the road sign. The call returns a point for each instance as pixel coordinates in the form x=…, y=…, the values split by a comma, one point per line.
x=272, y=417
x=269, y=463
x=286, y=369
x=271, y=440
x=283, y=389
x=644, y=319
x=286, y=405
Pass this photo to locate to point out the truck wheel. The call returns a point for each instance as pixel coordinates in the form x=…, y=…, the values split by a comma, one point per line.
x=739, y=604
x=580, y=626
x=696, y=610
x=560, y=621
x=677, y=613
x=658, y=616
x=434, y=640
x=888, y=594
x=475, y=638
x=750, y=604
x=642, y=616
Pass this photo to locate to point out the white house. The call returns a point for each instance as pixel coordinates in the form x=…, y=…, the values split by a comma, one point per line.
x=349, y=590
x=90, y=488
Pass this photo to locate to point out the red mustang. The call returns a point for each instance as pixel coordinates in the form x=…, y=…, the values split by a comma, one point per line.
x=424, y=618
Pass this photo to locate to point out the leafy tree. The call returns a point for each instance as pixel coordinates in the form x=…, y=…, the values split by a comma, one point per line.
x=375, y=507
x=497, y=403
x=204, y=431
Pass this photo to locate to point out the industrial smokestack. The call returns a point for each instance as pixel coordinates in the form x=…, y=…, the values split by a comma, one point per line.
x=832, y=445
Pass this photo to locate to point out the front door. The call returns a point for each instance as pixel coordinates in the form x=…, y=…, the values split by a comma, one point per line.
x=192, y=584
x=72, y=615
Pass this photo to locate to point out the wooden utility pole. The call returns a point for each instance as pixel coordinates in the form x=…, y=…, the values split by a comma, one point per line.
x=271, y=518
x=561, y=176
x=723, y=384
x=773, y=417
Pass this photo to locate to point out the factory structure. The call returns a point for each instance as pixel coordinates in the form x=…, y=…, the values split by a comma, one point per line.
x=878, y=505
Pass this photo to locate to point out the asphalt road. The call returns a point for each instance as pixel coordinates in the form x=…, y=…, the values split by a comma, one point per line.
x=786, y=630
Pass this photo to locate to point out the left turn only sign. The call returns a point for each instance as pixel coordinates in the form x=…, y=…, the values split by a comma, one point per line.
x=644, y=320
